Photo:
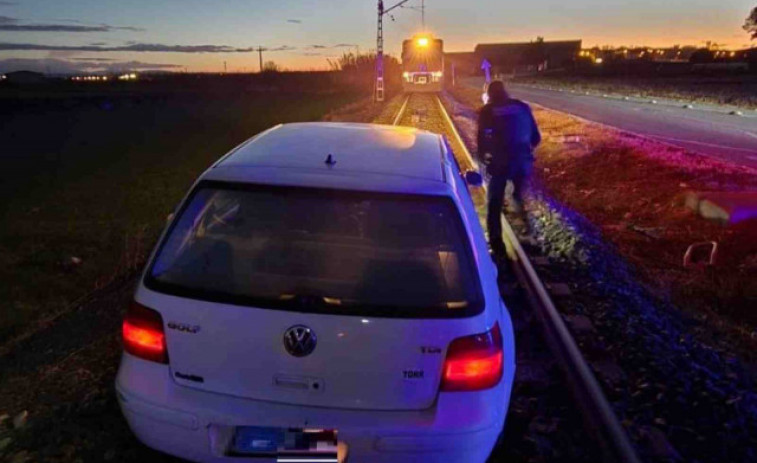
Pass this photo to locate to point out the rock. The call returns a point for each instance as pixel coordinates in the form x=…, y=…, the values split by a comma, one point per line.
x=4, y=443
x=19, y=421
x=650, y=232
x=20, y=457
x=558, y=289
x=543, y=425
x=609, y=373
x=579, y=324
x=532, y=376
x=657, y=444
x=750, y=263
x=692, y=200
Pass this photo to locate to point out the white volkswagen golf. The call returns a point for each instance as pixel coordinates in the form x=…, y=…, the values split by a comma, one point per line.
x=323, y=294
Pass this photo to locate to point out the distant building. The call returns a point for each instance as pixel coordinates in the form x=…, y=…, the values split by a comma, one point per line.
x=612, y=54
x=748, y=55
x=464, y=63
x=527, y=57
x=25, y=77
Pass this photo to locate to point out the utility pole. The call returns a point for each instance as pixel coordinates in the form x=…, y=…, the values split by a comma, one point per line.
x=379, y=88
x=260, y=55
x=224, y=67
x=379, y=93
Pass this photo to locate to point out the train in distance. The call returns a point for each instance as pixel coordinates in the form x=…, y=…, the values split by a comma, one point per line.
x=423, y=64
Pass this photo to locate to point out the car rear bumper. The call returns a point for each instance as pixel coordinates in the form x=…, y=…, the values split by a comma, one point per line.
x=196, y=425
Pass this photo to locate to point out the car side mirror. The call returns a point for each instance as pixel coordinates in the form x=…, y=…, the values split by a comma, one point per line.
x=474, y=178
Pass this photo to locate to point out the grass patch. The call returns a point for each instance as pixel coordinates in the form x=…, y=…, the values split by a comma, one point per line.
x=87, y=187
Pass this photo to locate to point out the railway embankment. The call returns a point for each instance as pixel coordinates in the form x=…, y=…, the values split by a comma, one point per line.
x=612, y=208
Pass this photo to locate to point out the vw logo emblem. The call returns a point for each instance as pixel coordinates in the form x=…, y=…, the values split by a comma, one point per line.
x=299, y=340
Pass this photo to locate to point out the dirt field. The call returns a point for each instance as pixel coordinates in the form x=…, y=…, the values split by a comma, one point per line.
x=634, y=190
x=88, y=179
x=57, y=381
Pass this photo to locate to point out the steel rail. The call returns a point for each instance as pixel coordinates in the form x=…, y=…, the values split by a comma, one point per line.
x=598, y=414
x=402, y=110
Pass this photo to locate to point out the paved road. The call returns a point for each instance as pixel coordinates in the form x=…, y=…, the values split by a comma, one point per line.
x=707, y=130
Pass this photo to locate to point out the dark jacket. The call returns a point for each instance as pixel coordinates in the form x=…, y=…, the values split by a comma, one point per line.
x=507, y=130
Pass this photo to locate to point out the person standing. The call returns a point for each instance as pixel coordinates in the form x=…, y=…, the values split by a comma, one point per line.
x=507, y=137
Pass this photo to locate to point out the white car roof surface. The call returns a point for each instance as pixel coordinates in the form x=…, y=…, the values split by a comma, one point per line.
x=366, y=157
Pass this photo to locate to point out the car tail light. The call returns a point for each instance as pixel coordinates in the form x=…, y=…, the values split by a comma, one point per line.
x=474, y=362
x=143, y=334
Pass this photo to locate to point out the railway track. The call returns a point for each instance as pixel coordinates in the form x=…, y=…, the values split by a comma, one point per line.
x=536, y=318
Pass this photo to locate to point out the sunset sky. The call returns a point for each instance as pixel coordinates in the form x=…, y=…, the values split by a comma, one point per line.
x=199, y=35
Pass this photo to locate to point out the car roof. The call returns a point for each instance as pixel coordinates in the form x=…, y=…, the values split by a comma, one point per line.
x=371, y=156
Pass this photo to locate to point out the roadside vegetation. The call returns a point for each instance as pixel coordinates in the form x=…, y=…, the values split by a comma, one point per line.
x=738, y=90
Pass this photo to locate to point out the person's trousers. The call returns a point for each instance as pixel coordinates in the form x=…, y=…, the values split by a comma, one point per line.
x=496, y=203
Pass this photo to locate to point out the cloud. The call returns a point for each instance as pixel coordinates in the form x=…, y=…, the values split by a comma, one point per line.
x=137, y=65
x=281, y=48
x=78, y=66
x=136, y=47
x=126, y=28
x=4, y=26
x=39, y=65
x=155, y=47
x=7, y=20
x=95, y=60
x=110, y=27
x=294, y=21
x=325, y=47
x=98, y=44
x=8, y=3
x=61, y=54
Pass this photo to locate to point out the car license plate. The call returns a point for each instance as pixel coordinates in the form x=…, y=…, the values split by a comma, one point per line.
x=286, y=445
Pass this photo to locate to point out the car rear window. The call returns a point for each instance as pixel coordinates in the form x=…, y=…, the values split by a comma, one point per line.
x=322, y=251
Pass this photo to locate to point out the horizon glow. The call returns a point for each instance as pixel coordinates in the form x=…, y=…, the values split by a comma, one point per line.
x=313, y=28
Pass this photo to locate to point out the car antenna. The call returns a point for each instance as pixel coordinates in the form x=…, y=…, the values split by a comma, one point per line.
x=330, y=161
